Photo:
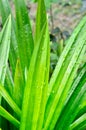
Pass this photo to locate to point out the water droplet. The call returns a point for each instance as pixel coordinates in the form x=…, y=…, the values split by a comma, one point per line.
x=43, y=48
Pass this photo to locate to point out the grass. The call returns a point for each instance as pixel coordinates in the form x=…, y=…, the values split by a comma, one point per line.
x=31, y=99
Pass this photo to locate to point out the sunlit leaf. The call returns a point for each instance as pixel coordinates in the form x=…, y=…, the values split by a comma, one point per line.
x=5, y=11
x=24, y=34
x=9, y=100
x=64, y=74
x=36, y=85
x=79, y=124
x=18, y=85
x=9, y=117
x=4, y=48
x=72, y=106
x=41, y=18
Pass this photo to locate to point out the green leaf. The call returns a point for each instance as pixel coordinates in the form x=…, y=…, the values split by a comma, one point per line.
x=80, y=74
x=34, y=101
x=18, y=85
x=64, y=75
x=82, y=107
x=73, y=102
x=9, y=84
x=70, y=44
x=10, y=101
x=24, y=34
x=40, y=19
x=5, y=37
x=79, y=124
x=9, y=117
x=4, y=48
x=5, y=11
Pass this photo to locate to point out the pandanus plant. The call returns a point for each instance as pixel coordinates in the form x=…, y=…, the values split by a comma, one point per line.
x=29, y=98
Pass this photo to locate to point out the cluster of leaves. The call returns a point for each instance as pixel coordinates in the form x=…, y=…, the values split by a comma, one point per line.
x=28, y=98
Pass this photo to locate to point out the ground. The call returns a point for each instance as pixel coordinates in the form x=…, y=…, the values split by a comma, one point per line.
x=64, y=16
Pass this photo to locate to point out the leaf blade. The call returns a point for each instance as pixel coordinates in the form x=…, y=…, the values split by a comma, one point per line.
x=9, y=100
x=9, y=117
x=24, y=34
x=34, y=87
x=4, y=48
x=64, y=77
x=5, y=12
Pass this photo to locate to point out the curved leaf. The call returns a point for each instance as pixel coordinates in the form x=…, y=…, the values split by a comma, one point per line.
x=79, y=124
x=24, y=34
x=4, y=48
x=71, y=107
x=64, y=75
x=40, y=19
x=36, y=85
x=9, y=117
x=5, y=12
x=18, y=85
x=9, y=100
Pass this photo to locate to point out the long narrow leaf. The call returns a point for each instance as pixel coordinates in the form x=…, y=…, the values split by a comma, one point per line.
x=4, y=48
x=73, y=103
x=24, y=34
x=41, y=13
x=18, y=85
x=5, y=11
x=64, y=74
x=10, y=101
x=9, y=117
x=79, y=124
x=36, y=85
x=82, y=107
x=9, y=84
x=76, y=82
x=40, y=19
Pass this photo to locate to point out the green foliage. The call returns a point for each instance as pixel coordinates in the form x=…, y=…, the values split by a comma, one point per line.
x=31, y=99
x=5, y=12
x=5, y=37
x=24, y=34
